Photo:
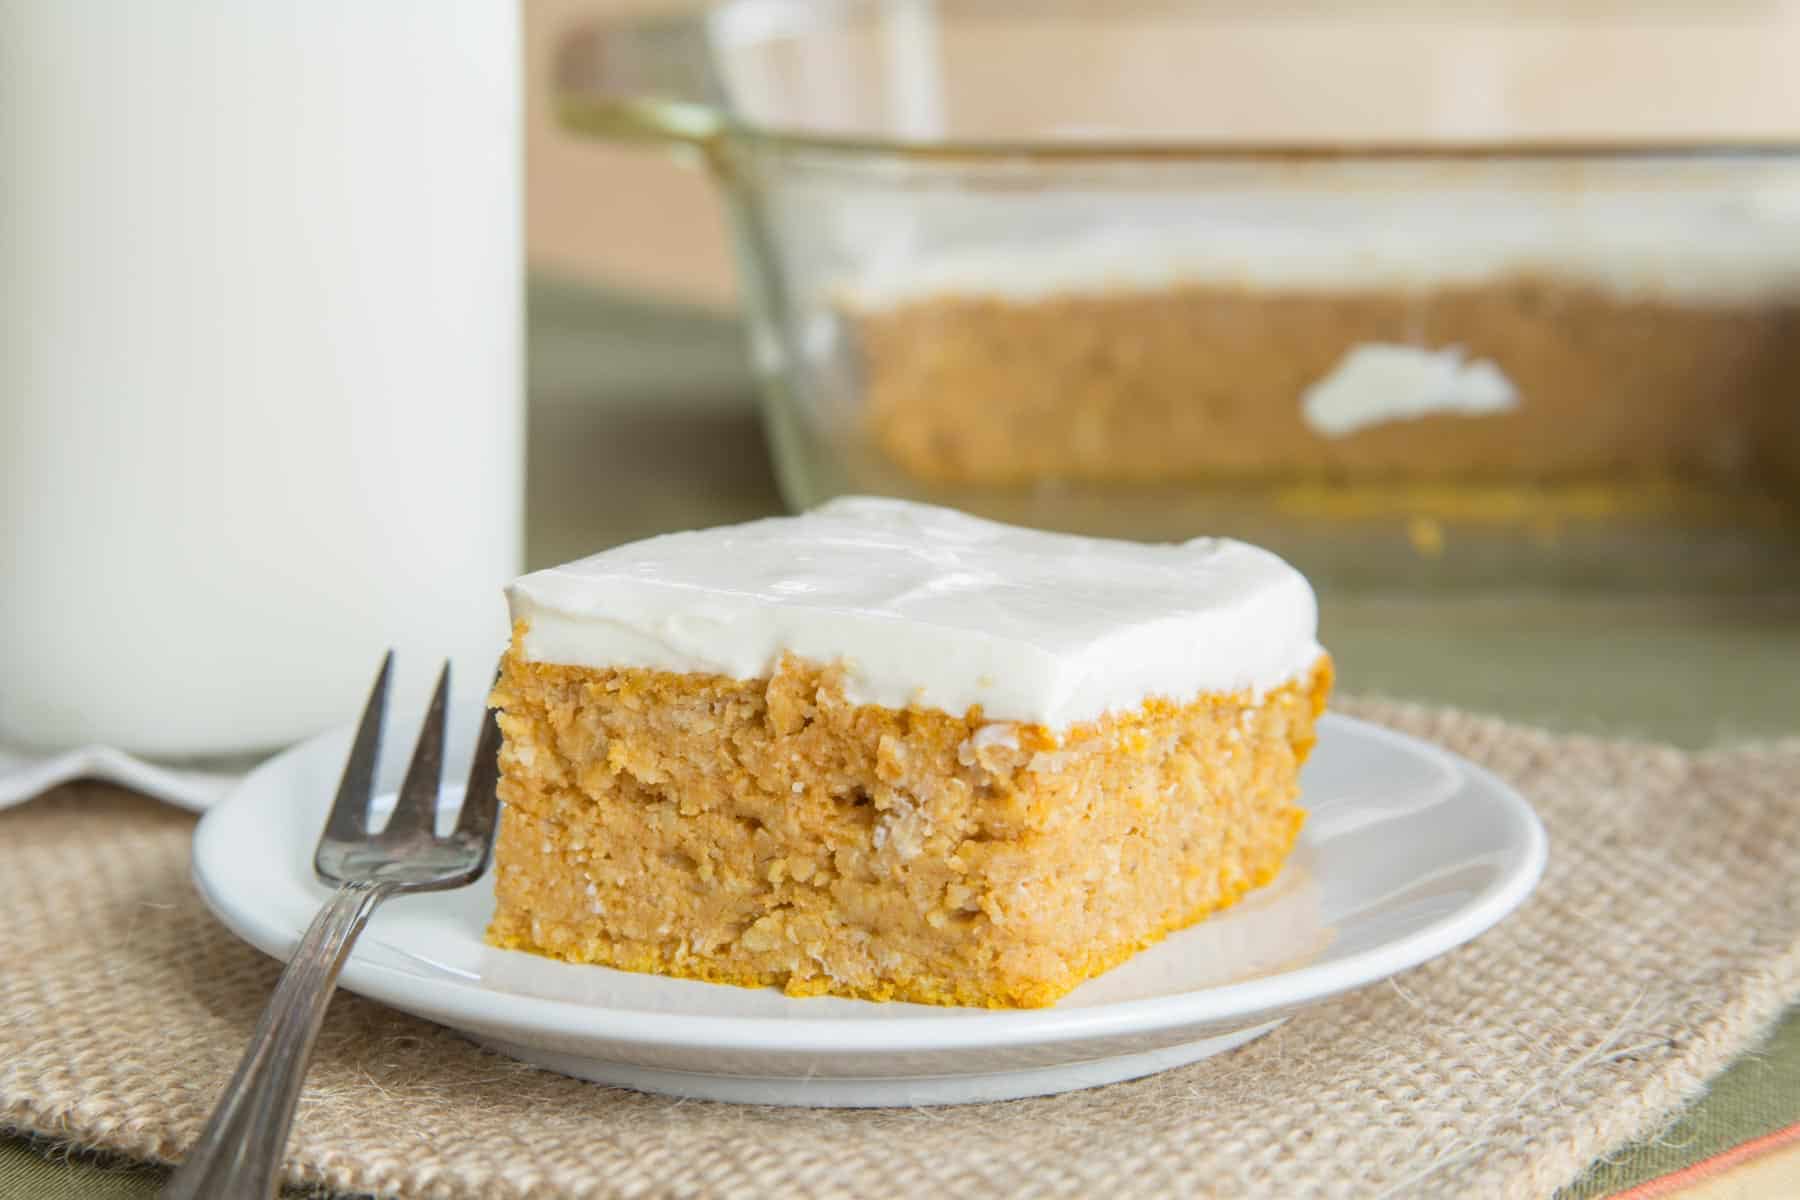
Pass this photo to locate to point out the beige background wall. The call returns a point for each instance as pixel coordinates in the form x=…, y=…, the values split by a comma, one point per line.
x=602, y=214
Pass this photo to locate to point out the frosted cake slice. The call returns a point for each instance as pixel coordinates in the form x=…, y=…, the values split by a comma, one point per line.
x=892, y=751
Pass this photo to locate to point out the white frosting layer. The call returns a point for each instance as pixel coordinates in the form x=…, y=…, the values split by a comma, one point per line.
x=932, y=607
x=1737, y=256
x=1376, y=383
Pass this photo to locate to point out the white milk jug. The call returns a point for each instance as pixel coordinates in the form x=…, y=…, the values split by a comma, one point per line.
x=260, y=377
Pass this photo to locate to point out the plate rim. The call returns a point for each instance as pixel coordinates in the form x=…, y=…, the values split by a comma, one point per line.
x=456, y=1002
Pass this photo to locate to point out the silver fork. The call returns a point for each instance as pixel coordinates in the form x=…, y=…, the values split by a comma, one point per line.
x=240, y=1151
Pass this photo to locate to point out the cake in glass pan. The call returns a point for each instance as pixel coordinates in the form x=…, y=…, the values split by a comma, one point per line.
x=1600, y=345
x=892, y=751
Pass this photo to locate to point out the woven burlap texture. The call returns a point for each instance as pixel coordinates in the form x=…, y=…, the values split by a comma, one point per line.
x=1664, y=938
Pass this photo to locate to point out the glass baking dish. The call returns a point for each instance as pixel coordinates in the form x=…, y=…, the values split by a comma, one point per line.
x=1474, y=294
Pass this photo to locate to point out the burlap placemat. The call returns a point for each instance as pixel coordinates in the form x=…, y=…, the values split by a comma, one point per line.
x=1665, y=936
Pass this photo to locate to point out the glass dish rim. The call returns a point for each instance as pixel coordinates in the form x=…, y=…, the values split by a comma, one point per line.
x=704, y=125
x=707, y=128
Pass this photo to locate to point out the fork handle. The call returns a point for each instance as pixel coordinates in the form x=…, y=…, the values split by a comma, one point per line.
x=240, y=1151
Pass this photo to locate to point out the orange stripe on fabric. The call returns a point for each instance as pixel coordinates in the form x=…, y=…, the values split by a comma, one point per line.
x=1706, y=1168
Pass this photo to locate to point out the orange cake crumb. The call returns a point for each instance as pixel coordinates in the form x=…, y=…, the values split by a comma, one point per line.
x=770, y=832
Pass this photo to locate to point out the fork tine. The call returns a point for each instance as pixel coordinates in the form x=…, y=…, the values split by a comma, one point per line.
x=481, y=803
x=349, y=819
x=415, y=810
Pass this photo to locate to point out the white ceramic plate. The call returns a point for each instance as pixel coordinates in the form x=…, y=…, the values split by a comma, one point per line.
x=1409, y=851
